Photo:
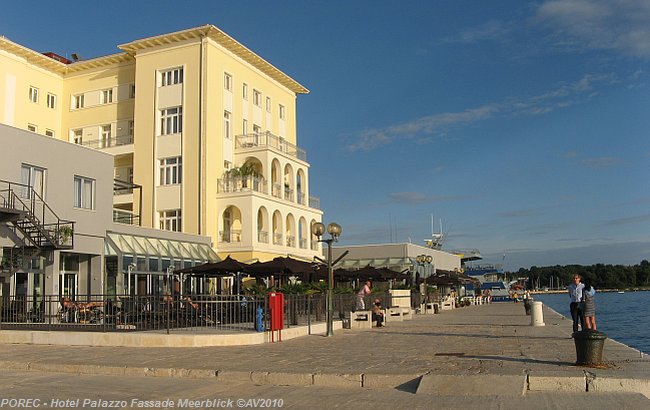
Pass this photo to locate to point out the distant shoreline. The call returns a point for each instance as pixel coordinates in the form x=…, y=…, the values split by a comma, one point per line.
x=553, y=291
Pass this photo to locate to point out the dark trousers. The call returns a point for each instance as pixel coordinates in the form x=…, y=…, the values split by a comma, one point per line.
x=378, y=318
x=577, y=312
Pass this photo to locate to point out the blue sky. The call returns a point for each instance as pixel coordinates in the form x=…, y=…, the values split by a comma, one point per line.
x=523, y=125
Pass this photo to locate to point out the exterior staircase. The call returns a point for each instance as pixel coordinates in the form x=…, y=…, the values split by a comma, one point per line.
x=34, y=223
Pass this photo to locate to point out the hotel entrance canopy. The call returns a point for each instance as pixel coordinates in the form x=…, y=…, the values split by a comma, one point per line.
x=182, y=253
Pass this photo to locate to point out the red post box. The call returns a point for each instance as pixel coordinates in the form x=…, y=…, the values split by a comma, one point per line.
x=276, y=310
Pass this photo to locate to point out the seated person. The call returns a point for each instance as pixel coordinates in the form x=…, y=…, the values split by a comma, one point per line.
x=377, y=314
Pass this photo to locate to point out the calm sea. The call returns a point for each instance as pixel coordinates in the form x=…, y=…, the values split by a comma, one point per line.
x=624, y=317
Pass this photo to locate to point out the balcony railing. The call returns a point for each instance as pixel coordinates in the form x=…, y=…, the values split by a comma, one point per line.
x=303, y=243
x=314, y=202
x=125, y=217
x=277, y=239
x=267, y=139
x=231, y=236
x=242, y=184
x=108, y=142
x=291, y=241
x=262, y=237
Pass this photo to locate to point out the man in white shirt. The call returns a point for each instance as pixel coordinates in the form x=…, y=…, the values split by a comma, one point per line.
x=577, y=310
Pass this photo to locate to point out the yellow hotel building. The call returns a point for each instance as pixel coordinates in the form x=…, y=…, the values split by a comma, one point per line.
x=203, y=129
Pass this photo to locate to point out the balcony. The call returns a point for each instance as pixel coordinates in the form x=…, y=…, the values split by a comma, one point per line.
x=268, y=140
x=243, y=184
x=125, y=217
x=103, y=143
x=231, y=236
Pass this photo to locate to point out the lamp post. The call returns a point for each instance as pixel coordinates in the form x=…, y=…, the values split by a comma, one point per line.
x=129, y=270
x=334, y=229
x=424, y=261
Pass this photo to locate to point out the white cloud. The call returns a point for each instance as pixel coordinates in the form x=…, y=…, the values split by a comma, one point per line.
x=422, y=130
x=622, y=26
x=601, y=162
x=491, y=30
x=411, y=198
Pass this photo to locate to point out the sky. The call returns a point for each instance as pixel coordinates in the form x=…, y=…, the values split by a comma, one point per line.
x=522, y=126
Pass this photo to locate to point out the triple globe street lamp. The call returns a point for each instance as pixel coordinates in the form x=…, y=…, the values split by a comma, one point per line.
x=334, y=229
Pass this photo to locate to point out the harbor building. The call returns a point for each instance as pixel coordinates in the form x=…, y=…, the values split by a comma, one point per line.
x=200, y=136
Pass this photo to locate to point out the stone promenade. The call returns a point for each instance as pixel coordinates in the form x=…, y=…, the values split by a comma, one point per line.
x=482, y=351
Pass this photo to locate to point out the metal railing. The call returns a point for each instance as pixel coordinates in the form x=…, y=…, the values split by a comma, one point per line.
x=102, y=143
x=130, y=313
x=39, y=223
x=267, y=139
x=110, y=313
x=242, y=184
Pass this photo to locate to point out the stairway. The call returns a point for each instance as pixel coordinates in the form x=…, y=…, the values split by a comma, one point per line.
x=34, y=222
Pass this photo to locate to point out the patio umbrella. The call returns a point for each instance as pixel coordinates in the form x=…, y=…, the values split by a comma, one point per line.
x=284, y=266
x=221, y=268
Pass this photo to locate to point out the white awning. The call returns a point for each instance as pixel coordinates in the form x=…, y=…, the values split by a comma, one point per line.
x=119, y=244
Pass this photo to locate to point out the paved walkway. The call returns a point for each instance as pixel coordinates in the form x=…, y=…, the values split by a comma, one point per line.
x=486, y=350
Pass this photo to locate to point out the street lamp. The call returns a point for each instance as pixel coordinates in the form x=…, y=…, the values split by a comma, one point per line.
x=129, y=269
x=334, y=229
x=424, y=260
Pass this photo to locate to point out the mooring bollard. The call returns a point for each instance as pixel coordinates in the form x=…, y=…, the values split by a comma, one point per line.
x=537, y=315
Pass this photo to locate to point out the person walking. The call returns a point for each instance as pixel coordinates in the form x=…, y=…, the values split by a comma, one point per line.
x=363, y=292
x=577, y=306
x=589, y=294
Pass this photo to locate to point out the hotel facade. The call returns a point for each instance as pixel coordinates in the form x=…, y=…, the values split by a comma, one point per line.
x=198, y=135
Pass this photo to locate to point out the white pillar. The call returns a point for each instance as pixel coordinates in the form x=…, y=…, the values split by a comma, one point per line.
x=536, y=314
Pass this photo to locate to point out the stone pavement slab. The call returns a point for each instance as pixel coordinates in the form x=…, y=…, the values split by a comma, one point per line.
x=485, y=340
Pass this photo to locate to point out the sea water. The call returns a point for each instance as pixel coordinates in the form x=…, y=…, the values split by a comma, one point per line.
x=624, y=317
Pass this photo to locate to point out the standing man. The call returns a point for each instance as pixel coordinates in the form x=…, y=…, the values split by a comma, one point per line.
x=363, y=292
x=575, y=293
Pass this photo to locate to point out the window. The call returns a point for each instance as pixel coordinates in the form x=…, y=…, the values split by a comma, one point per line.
x=132, y=91
x=34, y=178
x=226, y=125
x=84, y=192
x=170, y=220
x=257, y=98
x=171, y=171
x=106, y=96
x=171, y=77
x=245, y=91
x=227, y=81
x=244, y=127
x=106, y=136
x=33, y=94
x=257, y=129
x=282, y=113
x=77, y=136
x=131, y=128
x=171, y=120
x=49, y=133
x=32, y=127
x=51, y=101
x=268, y=104
x=78, y=101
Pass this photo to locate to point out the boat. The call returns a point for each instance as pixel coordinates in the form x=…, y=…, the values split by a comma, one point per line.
x=621, y=291
x=488, y=276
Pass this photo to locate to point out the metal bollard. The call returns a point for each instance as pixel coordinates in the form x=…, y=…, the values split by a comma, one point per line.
x=537, y=315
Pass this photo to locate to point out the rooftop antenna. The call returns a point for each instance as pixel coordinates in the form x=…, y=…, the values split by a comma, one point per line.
x=435, y=242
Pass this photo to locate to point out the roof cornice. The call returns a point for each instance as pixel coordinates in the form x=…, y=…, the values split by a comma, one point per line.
x=224, y=40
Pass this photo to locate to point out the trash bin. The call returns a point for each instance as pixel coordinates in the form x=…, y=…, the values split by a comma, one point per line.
x=589, y=347
x=346, y=323
x=527, y=305
x=436, y=308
